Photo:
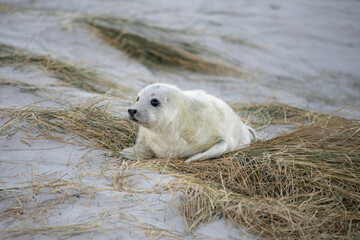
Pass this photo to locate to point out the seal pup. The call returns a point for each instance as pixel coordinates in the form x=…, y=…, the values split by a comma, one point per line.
x=186, y=124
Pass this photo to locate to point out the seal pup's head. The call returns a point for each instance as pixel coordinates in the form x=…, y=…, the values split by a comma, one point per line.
x=155, y=105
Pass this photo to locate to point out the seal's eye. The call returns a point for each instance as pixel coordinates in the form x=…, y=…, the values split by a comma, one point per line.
x=155, y=102
x=137, y=98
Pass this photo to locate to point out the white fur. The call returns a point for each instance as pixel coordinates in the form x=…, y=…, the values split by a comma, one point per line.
x=188, y=124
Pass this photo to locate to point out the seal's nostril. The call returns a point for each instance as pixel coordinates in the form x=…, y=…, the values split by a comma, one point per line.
x=132, y=112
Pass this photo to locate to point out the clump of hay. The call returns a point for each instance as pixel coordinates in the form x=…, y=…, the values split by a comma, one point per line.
x=196, y=204
x=300, y=185
x=304, y=184
x=79, y=77
x=153, y=46
x=262, y=115
x=23, y=206
x=24, y=87
x=25, y=210
x=89, y=121
x=7, y=49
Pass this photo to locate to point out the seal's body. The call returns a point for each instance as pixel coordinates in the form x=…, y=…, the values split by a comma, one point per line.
x=188, y=124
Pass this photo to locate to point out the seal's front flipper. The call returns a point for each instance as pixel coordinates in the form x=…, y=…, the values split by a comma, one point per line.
x=129, y=153
x=216, y=151
x=132, y=154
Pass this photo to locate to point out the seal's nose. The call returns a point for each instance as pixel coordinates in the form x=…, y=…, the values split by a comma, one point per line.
x=132, y=112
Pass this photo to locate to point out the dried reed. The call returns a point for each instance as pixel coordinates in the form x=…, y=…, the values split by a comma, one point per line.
x=155, y=47
x=89, y=121
x=262, y=115
x=304, y=184
x=79, y=77
x=300, y=185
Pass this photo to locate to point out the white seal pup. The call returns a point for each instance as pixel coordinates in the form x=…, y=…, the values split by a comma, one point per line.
x=187, y=124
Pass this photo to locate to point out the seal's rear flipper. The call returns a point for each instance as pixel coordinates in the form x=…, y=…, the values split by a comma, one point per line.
x=216, y=151
x=254, y=137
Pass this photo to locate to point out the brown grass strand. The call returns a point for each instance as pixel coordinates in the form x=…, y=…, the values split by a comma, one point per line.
x=155, y=47
x=79, y=77
x=262, y=115
x=89, y=121
x=303, y=184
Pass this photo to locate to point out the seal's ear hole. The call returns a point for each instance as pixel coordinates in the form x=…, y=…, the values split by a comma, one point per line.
x=155, y=102
x=137, y=98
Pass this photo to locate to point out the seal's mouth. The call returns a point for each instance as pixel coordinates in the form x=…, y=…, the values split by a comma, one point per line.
x=137, y=121
x=133, y=119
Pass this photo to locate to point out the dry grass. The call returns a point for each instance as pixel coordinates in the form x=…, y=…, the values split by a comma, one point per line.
x=38, y=201
x=7, y=49
x=241, y=42
x=24, y=206
x=155, y=47
x=300, y=185
x=195, y=204
x=304, y=184
x=23, y=87
x=89, y=121
x=67, y=230
x=262, y=115
x=79, y=77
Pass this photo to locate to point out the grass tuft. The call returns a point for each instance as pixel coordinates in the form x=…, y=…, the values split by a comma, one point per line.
x=89, y=121
x=304, y=184
x=301, y=185
x=262, y=115
x=79, y=77
x=155, y=47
